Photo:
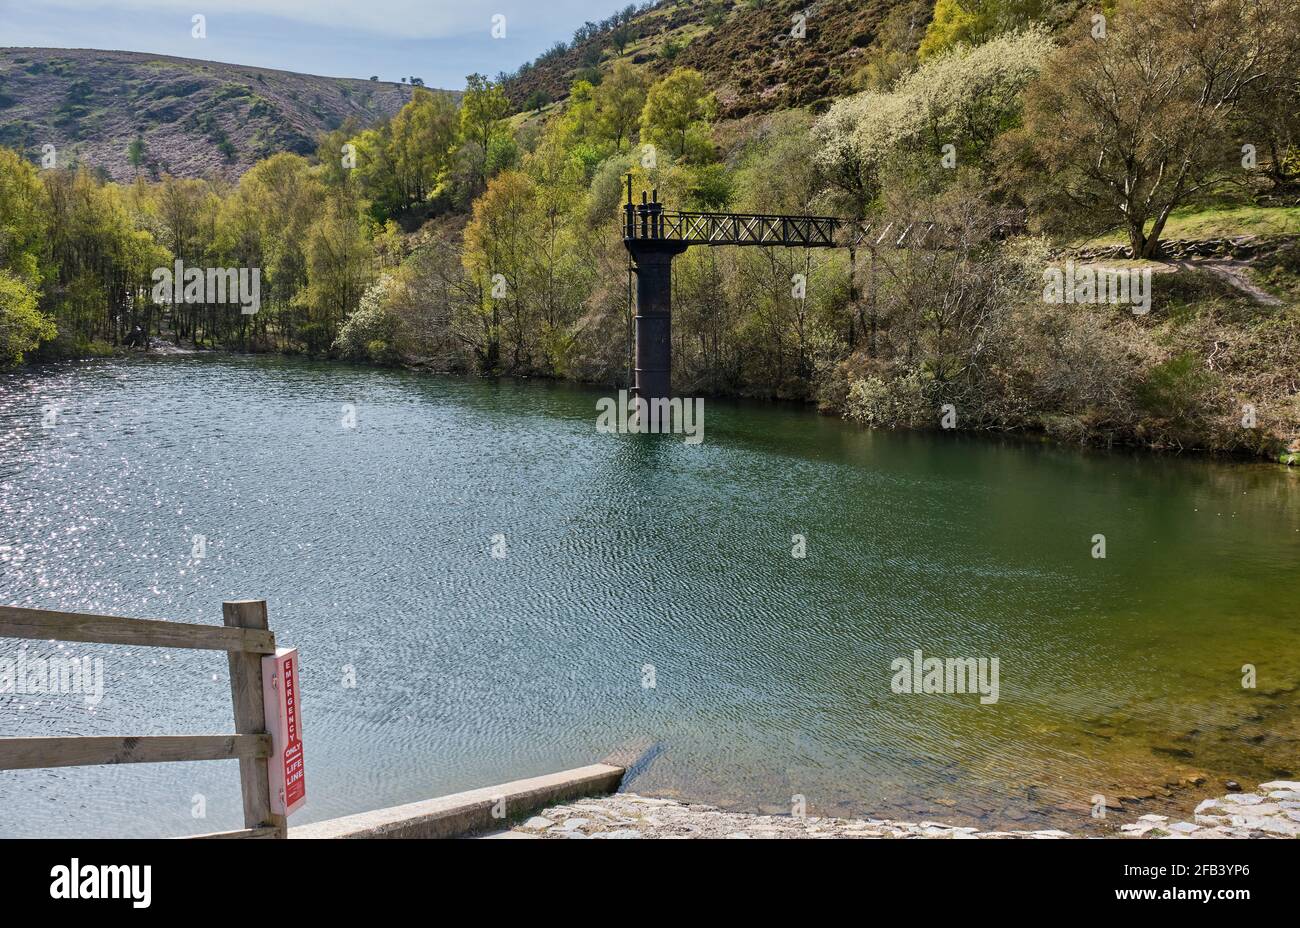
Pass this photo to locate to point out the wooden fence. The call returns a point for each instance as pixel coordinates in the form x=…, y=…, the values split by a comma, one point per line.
x=246, y=636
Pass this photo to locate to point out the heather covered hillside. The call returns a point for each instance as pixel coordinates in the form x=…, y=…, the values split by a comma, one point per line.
x=134, y=114
x=760, y=55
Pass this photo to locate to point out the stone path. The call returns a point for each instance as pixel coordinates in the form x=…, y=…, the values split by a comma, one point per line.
x=1271, y=812
x=1234, y=274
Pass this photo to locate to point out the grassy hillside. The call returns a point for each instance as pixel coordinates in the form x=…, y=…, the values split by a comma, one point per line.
x=193, y=118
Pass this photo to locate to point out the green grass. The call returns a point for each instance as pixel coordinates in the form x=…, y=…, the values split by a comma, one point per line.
x=1218, y=222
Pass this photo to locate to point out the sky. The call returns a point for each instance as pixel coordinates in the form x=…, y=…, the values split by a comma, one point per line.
x=439, y=41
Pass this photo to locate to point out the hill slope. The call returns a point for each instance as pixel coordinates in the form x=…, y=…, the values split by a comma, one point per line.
x=745, y=47
x=194, y=117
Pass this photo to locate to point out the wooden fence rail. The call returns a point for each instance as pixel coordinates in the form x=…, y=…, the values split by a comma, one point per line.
x=114, y=629
x=245, y=635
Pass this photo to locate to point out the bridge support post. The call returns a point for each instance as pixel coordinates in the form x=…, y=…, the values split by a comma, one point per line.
x=654, y=290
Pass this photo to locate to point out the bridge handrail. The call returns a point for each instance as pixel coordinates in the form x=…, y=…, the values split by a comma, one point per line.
x=729, y=216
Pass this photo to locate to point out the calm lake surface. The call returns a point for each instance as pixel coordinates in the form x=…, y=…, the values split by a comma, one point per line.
x=373, y=546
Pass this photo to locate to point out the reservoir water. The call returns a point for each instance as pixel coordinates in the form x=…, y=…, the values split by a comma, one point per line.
x=484, y=587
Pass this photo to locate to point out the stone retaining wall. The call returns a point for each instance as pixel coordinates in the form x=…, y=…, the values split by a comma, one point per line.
x=1239, y=247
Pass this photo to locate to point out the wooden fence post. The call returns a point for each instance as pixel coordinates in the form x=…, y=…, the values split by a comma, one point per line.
x=250, y=716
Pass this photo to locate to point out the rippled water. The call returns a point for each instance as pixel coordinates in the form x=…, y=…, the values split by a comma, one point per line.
x=1118, y=677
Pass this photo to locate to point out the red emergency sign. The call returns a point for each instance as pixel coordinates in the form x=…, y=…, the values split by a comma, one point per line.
x=284, y=722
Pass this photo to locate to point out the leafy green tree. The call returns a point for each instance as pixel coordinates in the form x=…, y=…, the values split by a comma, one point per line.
x=24, y=227
x=621, y=36
x=339, y=264
x=579, y=122
x=677, y=112
x=376, y=170
x=483, y=110
x=22, y=326
x=135, y=152
x=266, y=224
x=618, y=104
x=423, y=135
x=103, y=262
x=24, y=217
x=712, y=187
x=970, y=22
x=537, y=101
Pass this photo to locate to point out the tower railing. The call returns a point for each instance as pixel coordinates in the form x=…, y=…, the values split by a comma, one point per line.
x=648, y=221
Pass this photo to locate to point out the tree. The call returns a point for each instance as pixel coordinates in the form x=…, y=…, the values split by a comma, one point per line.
x=712, y=188
x=22, y=326
x=943, y=313
x=1269, y=114
x=618, y=103
x=101, y=262
x=579, y=122
x=892, y=52
x=24, y=227
x=265, y=223
x=621, y=37
x=422, y=137
x=135, y=152
x=24, y=217
x=482, y=112
x=537, y=101
x=339, y=268
x=676, y=108
x=971, y=22
x=1124, y=130
x=499, y=244
x=370, y=333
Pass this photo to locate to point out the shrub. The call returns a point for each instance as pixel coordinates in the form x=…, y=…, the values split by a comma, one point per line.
x=370, y=333
x=1176, y=394
x=902, y=401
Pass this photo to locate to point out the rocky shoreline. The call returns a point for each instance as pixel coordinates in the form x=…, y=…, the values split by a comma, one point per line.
x=1272, y=811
